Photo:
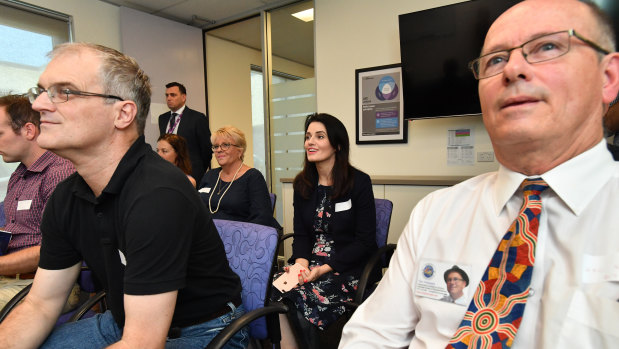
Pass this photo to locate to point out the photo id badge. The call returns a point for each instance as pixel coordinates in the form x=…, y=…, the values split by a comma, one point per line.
x=444, y=281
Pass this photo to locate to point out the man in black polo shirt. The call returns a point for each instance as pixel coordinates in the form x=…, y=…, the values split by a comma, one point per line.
x=130, y=215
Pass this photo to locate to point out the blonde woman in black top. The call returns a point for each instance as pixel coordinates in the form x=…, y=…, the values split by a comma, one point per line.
x=235, y=191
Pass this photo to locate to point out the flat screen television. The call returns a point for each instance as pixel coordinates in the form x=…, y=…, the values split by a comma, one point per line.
x=436, y=46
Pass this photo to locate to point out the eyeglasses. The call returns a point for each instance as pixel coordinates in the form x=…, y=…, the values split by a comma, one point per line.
x=223, y=146
x=454, y=279
x=540, y=49
x=60, y=95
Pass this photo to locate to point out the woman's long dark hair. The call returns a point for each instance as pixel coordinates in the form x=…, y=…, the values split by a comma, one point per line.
x=342, y=173
x=180, y=147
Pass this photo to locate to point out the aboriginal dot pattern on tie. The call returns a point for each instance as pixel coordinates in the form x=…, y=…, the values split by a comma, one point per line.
x=495, y=312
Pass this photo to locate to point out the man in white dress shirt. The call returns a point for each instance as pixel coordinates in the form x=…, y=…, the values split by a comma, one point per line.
x=542, y=101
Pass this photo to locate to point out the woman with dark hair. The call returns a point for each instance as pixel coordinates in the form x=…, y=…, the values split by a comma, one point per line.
x=235, y=191
x=334, y=229
x=174, y=149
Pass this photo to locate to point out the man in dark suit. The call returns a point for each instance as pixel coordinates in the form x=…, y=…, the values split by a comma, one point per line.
x=190, y=124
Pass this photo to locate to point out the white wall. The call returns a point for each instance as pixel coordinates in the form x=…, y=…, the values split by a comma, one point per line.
x=167, y=51
x=353, y=34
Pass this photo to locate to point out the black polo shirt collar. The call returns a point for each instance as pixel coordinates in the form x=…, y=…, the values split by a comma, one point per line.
x=125, y=168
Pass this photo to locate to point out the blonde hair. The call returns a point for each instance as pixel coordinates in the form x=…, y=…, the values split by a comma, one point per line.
x=237, y=135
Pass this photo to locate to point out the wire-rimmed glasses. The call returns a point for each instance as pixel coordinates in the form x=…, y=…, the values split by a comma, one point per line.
x=60, y=95
x=540, y=49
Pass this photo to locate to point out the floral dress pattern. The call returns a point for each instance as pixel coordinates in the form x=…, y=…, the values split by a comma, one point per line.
x=322, y=301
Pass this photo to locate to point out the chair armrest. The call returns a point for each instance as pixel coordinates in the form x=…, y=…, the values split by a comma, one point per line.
x=224, y=336
x=367, y=271
x=84, y=308
x=285, y=236
x=280, y=243
x=13, y=302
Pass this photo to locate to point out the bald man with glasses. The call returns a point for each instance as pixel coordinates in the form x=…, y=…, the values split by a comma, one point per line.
x=540, y=235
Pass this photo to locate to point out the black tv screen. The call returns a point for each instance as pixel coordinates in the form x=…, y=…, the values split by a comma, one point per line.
x=436, y=46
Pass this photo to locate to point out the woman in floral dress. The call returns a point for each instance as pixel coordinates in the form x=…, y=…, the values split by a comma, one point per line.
x=334, y=227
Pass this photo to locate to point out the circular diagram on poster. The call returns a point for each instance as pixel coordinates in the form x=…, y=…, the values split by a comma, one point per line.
x=387, y=89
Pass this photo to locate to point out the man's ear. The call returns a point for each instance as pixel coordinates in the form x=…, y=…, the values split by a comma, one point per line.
x=125, y=114
x=30, y=131
x=610, y=87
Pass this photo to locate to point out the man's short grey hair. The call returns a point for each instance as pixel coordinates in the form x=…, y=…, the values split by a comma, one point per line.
x=120, y=76
x=605, y=27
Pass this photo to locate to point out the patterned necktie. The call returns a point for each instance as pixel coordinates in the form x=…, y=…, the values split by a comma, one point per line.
x=173, y=122
x=495, y=312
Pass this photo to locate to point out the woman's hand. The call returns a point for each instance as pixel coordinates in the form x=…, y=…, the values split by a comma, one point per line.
x=314, y=273
x=304, y=262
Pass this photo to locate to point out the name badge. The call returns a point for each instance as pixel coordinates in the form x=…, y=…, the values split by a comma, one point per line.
x=444, y=281
x=343, y=206
x=24, y=205
x=600, y=268
x=205, y=190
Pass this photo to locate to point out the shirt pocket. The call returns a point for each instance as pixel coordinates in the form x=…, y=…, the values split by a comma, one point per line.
x=591, y=322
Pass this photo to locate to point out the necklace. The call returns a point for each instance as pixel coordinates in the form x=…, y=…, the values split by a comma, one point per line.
x=225, y=191
x=222, y=187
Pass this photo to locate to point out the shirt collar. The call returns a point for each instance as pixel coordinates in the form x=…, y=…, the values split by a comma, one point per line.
x=127, y=165
x=42, y=162
x=576, y=181
x=179, y=111
x=125, y=168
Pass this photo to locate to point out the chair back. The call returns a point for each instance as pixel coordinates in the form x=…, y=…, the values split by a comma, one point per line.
x=384, y=208
x=273, y=201
x=250, y=249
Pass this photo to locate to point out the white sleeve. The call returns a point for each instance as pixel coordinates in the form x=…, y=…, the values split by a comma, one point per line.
x=387, y=319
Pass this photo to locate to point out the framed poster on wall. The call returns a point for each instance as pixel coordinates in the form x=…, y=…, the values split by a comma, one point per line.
x=379, y=105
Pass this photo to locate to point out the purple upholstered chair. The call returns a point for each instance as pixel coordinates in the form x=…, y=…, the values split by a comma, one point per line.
x=251, y=251
x=381, y=258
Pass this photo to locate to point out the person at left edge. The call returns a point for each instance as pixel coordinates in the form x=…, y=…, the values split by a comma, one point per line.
x=128, y=213
x=29, y=188
x=190, y=124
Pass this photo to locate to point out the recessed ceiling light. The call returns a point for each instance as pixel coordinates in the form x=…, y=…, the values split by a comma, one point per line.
x=305, y=16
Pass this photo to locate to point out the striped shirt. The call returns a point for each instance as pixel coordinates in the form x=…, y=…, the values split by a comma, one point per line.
x=27, y=193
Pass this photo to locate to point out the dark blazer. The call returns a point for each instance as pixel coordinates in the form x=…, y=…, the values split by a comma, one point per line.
x=195, y=129
x=353, y=226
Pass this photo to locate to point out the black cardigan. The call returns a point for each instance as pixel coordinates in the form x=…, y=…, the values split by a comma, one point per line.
x=353, y=229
